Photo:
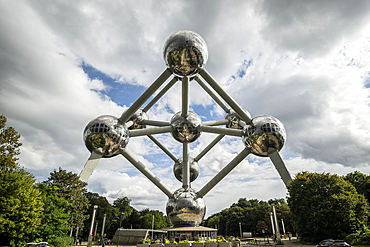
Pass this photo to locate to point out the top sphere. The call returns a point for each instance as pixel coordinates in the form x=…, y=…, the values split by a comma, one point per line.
x=263, y=133
x=106, y=133
x=184, y=52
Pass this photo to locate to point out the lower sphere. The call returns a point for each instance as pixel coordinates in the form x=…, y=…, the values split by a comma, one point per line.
x=185, y=209
x=194, y=169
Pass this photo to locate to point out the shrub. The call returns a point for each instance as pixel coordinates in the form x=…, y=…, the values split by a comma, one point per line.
x=61, y=241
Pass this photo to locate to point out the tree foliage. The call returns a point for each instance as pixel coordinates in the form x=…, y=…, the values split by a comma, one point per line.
x=54, y=220
x=73, y=190
x=20, y=205
x=361, y=182
x=253, y=216
x=325, y=206
x=9, y=146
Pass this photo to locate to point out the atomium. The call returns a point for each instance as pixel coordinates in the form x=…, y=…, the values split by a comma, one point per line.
x=185, y=208
x=265, y=132
x=178, y=167
x=234, y=119
x=105, y=135
x=186, y=129
x=185, y=54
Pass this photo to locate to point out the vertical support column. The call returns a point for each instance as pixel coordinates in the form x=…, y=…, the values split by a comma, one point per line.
x=185, y=96
x=272, y=224
x=102, y=230
x=89, y=241
x=278, y=237
x=185, y=166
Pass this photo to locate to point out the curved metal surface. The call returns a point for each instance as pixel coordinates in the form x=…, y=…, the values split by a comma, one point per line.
x=185, y=209
x=194, y=169
x=186, y=129
x=106, y=135
x=263, y=133
x=234, y=119
x=137, y=120
x=184, y=52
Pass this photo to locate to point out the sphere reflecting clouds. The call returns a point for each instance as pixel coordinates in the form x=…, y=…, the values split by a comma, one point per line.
x=105, y=134
x=137, y=120
x=186, y=129
x=234, y=119
x=194, y=169
x=184, y=52
x=263, y=133
x=185, y=209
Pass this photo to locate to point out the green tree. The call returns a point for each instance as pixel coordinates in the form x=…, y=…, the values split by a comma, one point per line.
x=73, y=190
x=325, y=206
x=20, y=206
x=361, y=182
x=54, y=220
x=9, y=147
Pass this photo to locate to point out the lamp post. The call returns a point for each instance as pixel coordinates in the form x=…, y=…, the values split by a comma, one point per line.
x=102, y=230
x=282, y=222
x=89, y=241
x=240, y=228
x=119, y=229
x=278, y=237
x=152, y=226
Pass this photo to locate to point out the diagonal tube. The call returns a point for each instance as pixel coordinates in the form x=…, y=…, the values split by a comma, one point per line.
x=147, y=173
x=210, y=93
x=209, y=147
x=145, y=96
x=279, y=165
x=164, y=149
x=226, y=170
x=160, y=94
x=212, y=82
x=90, y=166
x=155, y=123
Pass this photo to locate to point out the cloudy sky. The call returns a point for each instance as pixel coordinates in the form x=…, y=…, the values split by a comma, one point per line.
x=64, y=63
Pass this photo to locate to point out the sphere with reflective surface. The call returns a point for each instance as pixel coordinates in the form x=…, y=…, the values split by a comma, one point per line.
x=234, y=119
x=263, y=133
x=185, y=209
x=106, y=135
x=137, y=120
x=186, y=129
x=184, y=52
x=194, y=169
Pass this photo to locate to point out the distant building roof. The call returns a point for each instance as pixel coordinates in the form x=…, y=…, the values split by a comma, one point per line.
x=189, y=229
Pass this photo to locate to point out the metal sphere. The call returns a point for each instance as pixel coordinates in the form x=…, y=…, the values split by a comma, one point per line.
x=194, y=169
x=263, y=133
x=137, y=120
x=106, y=134
x=185, y=209
x=186, y=129
x=234, y=119
x=184, y=52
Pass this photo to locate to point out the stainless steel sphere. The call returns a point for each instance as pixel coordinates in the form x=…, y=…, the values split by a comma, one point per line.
x=185, y=209
x=137, y=120
x=106, y=134
x=234, y=119
x=263, y=133
x=194, y=169
x=186, y=129
x=184, y=52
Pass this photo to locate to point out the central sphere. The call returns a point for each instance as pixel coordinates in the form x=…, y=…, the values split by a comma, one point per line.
x=263, y=133
x=106, y=134
x=194, y=169
x=185, y=209
x=137, y=120
x=186, y=129
x=184, y=52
